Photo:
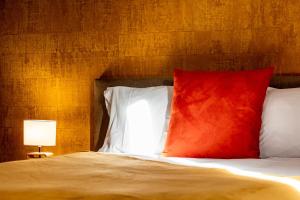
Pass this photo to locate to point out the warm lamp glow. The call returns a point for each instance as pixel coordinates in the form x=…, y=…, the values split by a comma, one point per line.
x=40, y=132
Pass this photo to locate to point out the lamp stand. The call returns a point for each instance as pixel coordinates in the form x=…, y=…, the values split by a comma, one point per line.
x=40, y=148
x=39, y=154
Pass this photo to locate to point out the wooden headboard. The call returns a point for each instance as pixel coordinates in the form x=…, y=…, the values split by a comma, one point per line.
x=99, y=116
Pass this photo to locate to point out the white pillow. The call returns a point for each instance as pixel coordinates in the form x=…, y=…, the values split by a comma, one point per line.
x=168, y=113
x=137, y=119
x=280, y=131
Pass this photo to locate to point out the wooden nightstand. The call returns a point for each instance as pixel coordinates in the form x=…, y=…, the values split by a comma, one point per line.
x=33, y=155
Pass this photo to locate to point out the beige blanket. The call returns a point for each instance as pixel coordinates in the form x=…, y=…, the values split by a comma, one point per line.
x=92, y=175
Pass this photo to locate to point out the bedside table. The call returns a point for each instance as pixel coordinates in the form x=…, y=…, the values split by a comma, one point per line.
x=33, y=155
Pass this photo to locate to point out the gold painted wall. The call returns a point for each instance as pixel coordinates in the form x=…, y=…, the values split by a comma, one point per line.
x=51, y=50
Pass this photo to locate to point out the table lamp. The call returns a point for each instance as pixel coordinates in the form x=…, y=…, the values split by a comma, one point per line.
x=39, y=133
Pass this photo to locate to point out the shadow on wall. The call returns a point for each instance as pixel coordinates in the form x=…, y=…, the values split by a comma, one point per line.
x=212, y=55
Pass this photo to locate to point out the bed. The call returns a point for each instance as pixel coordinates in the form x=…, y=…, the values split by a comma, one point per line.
x=95, y=175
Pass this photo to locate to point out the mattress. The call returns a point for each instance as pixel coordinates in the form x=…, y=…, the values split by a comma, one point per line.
x=91, y=175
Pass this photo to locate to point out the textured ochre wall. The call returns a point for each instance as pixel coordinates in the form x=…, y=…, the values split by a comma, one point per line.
x=51, y=50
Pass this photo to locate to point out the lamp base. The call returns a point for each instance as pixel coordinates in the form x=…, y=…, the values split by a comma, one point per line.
x=39, y=154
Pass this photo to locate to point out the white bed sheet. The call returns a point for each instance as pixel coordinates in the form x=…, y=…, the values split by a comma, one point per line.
x=270, y=166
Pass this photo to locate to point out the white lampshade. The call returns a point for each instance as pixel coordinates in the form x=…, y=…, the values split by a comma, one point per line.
x=40, y=132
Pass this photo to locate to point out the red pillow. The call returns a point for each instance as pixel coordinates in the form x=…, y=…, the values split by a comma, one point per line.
x=217, y=114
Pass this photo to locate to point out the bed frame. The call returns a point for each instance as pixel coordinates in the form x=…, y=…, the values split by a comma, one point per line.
x=100, y=118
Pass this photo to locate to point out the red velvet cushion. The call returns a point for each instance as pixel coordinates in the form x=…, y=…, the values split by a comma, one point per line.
x=217, y=114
